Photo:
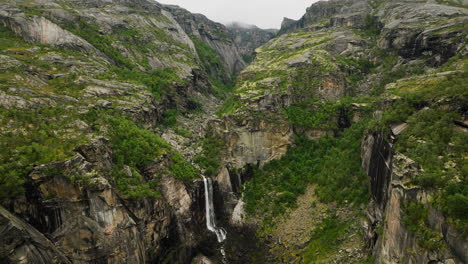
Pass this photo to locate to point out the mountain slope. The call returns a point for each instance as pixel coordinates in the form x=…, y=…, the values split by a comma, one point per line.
x=87, y=88
x=316, y=88
x=343, y=141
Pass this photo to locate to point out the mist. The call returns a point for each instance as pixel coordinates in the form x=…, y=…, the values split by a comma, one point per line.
x=262, y=13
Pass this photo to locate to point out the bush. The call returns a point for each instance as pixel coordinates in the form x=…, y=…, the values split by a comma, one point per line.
x=314, y=115
x=415, y=218
x=135, y=187
x=210, y=158
x=181, y=169
x=170, y=118
x=34, y=139
x=455, y=202
x=134, y=146
x=158, y=81
x=325, y=239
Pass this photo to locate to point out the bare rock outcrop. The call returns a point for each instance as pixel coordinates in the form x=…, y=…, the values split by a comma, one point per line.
x=40, y=29
x=22, y=243
x=212, y=34
x=390, y=177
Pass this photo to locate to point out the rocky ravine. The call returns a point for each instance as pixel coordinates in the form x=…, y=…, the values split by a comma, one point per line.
x=73, y=66
x=311, y=60
x=87, y=86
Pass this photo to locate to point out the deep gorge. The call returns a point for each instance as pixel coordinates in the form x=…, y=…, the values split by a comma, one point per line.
x=137, y=132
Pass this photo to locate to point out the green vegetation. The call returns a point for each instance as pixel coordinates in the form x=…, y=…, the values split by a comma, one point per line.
x=181, y=169
x=314, y=114
x=391, y=71
x=35, y=136
x=230, y=105
x=137, y=148
x=325, y=239
x=456, y=201
x=247, y=58
x=372, y=26
x=170, y=118
x=432, y=139
x=208, y=56
x=212, y=64
x=102, y=42
x=134, y=146
x=209, y=159
x=457, y=3
x=333, y=163
x=415, y=218
x=222, y=89
x=158, y=81
x=210, y=59
x=434, y=87
x=9, y=40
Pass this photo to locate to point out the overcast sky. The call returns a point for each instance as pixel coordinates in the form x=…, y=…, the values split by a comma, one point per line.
x=262, y=13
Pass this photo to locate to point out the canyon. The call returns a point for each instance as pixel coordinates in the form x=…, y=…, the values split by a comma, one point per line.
x=138, y=132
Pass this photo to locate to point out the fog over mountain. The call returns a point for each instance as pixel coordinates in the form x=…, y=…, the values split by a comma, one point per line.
x=262, y=13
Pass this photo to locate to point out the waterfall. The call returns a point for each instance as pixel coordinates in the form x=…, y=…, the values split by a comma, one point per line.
x=210, y=214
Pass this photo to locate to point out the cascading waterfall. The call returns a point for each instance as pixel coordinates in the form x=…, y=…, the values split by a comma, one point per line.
x=210, y=213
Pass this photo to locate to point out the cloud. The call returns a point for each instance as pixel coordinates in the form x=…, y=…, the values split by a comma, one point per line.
x=262, y=13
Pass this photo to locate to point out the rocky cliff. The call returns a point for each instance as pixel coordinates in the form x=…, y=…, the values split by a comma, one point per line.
x=323, y=75
x=250, y=37
x=343, y=141
x=215, y=35
x=88, y=84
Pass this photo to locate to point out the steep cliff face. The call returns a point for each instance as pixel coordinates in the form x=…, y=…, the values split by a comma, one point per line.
x=90, y=84
x=396, y=242
x=335, y=12
x=289, y=70
x=250, y=37
x=299, y=85
x=215, y=35
x=333, y=54
x=75, y=204
x=108, y=120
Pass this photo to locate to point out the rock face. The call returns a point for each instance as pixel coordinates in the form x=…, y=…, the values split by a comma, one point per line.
x=376, y=161
x=22, y=243
x=73, y=71
x=250, y=37
x=408, y=29
x=390, y=174
x=406, y=25
x=94, y=224
x=256, y=142
x=69, y=60
x=213, y=34
x=338, y=12
x=39, y=29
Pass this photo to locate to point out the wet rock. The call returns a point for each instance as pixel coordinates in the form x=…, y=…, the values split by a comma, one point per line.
x=22, y=243
x=249, y=37
x=213, y=34
x=39, y=29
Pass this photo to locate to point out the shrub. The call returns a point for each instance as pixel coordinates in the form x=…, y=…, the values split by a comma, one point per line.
x=456, y=200
x=325, y=239
x=33, y=139
x=314, y=114
x=134, y=146
x=210, y=157
x=415, y=218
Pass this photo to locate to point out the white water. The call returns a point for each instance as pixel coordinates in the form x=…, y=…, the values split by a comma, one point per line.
x=210, y=214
